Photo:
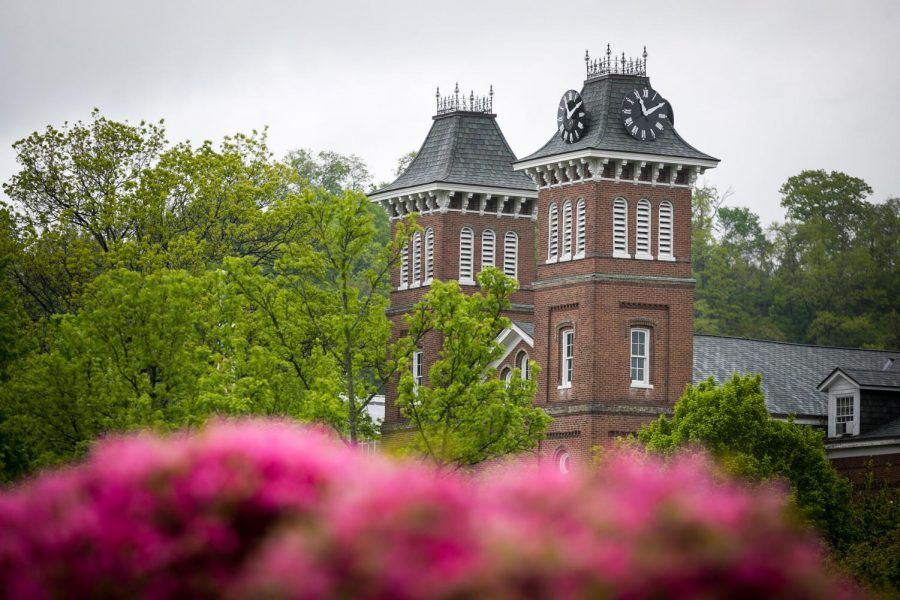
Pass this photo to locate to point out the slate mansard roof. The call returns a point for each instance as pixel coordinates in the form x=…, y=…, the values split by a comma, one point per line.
x=603, y=100
x=791, y=372
x=464, y=149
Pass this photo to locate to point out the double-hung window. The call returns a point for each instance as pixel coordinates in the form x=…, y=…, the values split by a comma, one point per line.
x=843, y=415
x=640, y=357
x=567, y=357
x=417, y=367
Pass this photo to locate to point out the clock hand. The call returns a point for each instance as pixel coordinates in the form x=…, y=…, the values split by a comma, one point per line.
x=654, y=109
x=643, y=108
x=574, y=108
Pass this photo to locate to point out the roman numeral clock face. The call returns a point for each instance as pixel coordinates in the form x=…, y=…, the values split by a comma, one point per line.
x=646, y=114
x=571, y=117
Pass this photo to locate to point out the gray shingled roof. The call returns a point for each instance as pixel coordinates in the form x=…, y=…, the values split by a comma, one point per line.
x=889, y=429
x=878, y=378
x=791, y=372
x=526, y=327
x=603, y=99
x=464, y=148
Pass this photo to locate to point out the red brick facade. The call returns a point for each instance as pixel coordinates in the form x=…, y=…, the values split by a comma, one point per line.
x=602, y=298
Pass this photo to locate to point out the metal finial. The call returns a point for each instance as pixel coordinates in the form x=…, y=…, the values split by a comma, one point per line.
x=456, y=89
x=645, y=52
x=437, y=93
x=608, y=52
x=491, y=91
x=587, y=57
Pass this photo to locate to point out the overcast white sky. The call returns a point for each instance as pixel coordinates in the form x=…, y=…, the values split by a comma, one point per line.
x=769, y=87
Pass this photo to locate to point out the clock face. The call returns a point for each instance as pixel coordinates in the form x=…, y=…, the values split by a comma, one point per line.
x=571, y=117
x=646, y=114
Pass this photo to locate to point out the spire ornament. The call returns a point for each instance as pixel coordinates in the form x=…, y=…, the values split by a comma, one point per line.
x=474, y=104
x=616, y=65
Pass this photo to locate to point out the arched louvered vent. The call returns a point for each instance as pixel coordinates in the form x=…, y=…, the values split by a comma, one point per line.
x=465, y=255
x=416, y=259
x=566, y=252
x=429, y=255
x=404, y=266
x=552, y=234
x=511, y=254
x=620, y=228
x=642, y=231
x=579, y=229
x=665, y=231
x=488, y=248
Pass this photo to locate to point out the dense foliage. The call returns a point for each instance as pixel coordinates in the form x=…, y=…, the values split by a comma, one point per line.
x=732, y=423
x=463, y=413
x=828, y=275
x=149, y=285
x=268, y=510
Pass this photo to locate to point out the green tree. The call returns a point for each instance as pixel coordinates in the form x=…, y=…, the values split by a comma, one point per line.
x=466, y=414
x=328, y=293
x=732, y=423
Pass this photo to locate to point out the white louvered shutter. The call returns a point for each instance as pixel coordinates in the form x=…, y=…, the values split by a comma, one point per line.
x=579, y=228
x=511, y=254
x=488, y=249
x=465, y=255
x=620, y=227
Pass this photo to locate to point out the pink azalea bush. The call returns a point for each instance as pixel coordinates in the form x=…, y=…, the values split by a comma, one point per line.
x=270, y=510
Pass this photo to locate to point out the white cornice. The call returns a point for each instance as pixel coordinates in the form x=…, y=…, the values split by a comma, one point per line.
x=848, y=448
x=612, y=155
x=451, y=187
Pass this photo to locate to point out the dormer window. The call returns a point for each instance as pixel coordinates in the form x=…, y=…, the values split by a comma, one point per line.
x=843, y=415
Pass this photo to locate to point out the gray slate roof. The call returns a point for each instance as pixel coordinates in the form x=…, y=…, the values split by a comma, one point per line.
x=874, y=378
x=791, y=372
x=526, y=327
x=465, y=148
x=889, y=429
x=603, y=99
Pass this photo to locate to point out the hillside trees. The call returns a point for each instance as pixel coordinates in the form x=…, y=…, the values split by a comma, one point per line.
x=825, y=276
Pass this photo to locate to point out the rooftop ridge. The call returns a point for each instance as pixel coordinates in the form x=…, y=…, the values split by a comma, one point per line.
x=615, y=65
x=734, y=337
x=452, y=102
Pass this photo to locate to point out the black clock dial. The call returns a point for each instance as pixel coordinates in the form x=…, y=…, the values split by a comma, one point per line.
x=571, y=117
x=646, y=114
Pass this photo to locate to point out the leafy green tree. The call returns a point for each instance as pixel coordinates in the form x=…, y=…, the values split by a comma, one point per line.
x=328, y=293
x=466, y=414
x=732, y=423
x=330, y=171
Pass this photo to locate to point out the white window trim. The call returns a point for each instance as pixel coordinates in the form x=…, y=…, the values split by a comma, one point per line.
x=833, y=395
x=565, y=378
x=416, y=270
x=645, y=382
x=404, y=267
x=418, y=370
x=523, y=365
x=489, y=233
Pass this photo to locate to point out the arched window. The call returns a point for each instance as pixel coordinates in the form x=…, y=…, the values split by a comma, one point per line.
x=566, y=356
x=524, y=365
x=579, y=229
x=552, y=233
x=620, y=228
x=563, y=459
x=416, y=259
x=429, y=255
x=488, y=247
x=665, y=231
x=566, y=252
x=465, y=256
x=404, y=266
x=511, y=254
x=506, y=375
x=418, y=369
x=642, y=233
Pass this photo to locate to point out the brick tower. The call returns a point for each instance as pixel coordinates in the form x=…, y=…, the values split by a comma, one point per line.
x=474, y=210
x=613, y=295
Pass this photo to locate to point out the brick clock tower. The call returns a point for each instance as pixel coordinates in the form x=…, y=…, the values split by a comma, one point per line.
x=604, y=210
x=613, y=296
